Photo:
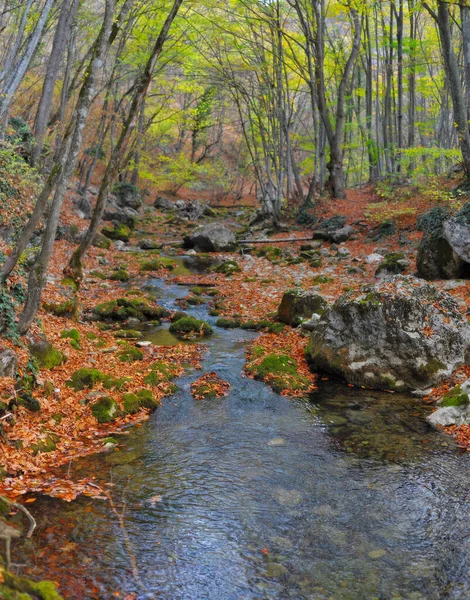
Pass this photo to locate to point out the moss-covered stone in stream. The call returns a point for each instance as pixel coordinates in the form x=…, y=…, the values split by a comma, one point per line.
x=263, y=325
x=19, y=588
x=179, y=314
x=45, y=355
x=228, y=323
x=105, y=409
x=279, y=371
x=455, y=397
x=190, y=326
x=117, y=232
x=194, y=300
x=124, y=308
x=85, y=378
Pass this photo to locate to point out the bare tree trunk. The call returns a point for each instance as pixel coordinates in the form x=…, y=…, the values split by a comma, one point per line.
x=68, y=157
x=13, y=81
x=64, y=24
x=114, y=163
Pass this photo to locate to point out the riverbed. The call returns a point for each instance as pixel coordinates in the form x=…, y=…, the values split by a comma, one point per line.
x=346, y=494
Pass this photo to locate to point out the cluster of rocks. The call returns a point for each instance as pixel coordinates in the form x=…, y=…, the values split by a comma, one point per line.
x=187, y=209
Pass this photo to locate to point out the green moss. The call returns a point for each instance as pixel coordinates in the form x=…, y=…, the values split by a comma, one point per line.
x=130, y=354
x=119, y=275
x=91, y=336
x=319, y=279
x=179, y=314
x=73, y=335
x=157, y=264
x=195, y=300
x=431, y=367
x=48, y=444
x=279, y=371
x=191, y=325
x=85, y=378
x=228, y=323
x=129, y=334
x=115, y=383
x=228, y=268
x=165, y=371
x=455, y=397
x=272, y=253
x=69, y=283
x=117, y=232
x=143, y=399
x=123, y=308
x=197, y=291
x=46, y=356
x=105, y=409
x=131, y=404
x=19, y=588
x=68, y=308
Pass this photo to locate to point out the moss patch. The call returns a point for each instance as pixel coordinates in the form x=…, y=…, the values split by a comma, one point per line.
x=85, y=378
x=455, y=397
x=19, y=588
x=117, y=232
x=46, y=356
x=130, y=354
x=228, y=268
x=228, y=323
x=105, y=409
x=279, y=371
x=191, y=327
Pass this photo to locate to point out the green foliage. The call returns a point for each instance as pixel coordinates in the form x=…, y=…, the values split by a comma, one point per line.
x=455, y=397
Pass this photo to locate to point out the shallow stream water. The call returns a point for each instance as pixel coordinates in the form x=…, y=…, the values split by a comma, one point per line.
x=348, y=494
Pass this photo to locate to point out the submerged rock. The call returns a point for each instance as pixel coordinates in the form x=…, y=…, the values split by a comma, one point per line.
x=211, y=238
x=298, y=305
x=401, y=335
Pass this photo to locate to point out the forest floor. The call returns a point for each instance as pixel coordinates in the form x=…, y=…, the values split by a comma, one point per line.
x=65, y=426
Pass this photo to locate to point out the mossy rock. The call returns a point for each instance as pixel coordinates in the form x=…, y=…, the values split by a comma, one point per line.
x=263, y=325
x=455, y=397
x=157, y=264
x=142, y=399
x=228, y=323
x=124, y=308
x=179, y=314
x=129, y=334
x=190, y=326
x=393, y=263
x=130, y=354
x=195, y=300
x=19, y=588
x=68, y=282
x=117, y=232
x=101, y=241
x=228, y=268
x=272, y=253
x=115, y=383
x=45, y=355
x=119, y=275
x=85, y=378
x=280, y=372
x=68, y=308
x=105, y=409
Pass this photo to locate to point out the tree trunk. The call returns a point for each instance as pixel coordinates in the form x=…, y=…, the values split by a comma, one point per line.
x=12, y=83
x=64, y=24
x=68, y=157
x=114, y=163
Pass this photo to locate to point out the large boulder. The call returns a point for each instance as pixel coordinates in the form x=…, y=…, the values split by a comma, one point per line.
x=127, y=195
x=8, y=363
x=163, y=203
x=211, y=238
x=298, y=305
x=336, y=236
x=402, y=334
x=438, y=253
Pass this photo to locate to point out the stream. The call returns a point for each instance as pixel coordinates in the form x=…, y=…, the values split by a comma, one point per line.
x=348, y=494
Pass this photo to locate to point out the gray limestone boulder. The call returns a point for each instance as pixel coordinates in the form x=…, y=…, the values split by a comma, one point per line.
x=402, y=334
